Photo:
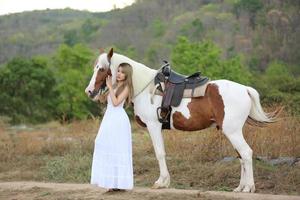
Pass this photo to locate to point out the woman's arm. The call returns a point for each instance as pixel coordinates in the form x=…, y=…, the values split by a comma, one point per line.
x=123, y=95
x=117, y=100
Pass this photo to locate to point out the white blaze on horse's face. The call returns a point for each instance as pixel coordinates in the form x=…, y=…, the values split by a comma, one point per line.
x=101, y=69
x=91, y=85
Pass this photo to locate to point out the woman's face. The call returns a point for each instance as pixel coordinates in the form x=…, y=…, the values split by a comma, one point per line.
x=120, y=74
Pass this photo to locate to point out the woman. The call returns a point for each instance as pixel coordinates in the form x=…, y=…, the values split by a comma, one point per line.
x=112, y=159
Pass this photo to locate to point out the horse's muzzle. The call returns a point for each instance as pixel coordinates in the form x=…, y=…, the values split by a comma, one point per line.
x=93, y=94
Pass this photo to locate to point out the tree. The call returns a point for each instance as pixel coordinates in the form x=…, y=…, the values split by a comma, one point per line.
x=158, y=27
x=278, y=85
x=71, y=37
x=250, y=6
x=72, y=67
x=27, y=91
x=205, y=56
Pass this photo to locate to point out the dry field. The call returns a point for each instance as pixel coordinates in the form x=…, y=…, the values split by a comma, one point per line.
x=62, y=153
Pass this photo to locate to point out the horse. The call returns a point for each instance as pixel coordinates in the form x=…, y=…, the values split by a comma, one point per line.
x=226, y=105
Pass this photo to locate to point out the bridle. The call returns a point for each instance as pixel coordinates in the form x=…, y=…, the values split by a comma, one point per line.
x=102, y=87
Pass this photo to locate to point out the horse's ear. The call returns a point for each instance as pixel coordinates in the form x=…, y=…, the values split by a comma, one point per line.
x=101, y=50
x=110, y=54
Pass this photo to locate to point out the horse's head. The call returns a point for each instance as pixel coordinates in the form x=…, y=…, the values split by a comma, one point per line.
x=102, y=68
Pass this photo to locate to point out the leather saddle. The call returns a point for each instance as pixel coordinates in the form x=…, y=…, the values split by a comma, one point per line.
x=175, y=85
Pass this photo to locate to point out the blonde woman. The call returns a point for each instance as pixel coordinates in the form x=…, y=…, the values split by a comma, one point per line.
x=112, y=159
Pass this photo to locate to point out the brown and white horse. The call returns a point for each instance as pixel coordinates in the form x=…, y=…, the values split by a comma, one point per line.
x=226, y=104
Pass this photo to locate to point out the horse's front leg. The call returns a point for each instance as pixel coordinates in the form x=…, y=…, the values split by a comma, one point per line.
x=154, y=129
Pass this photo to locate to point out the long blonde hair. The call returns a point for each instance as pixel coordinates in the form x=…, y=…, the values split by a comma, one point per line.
x=127, y=70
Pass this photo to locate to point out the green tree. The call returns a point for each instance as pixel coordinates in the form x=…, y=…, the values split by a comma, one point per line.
x=194, y=29
x=250, y=6
x=27, y=91
x=188, y=57
x=71, y=37
x=88, y=28
x=277, y=85
x=158, y=27
x=72, y=66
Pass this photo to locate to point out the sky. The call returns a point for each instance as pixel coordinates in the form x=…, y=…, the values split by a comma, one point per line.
x=14, y=6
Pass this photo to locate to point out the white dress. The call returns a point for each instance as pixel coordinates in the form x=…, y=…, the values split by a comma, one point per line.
x=112, y=159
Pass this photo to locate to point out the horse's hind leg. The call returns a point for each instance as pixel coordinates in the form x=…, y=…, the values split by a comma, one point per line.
x=247, y=181
x=242, y=180
x=237, y=106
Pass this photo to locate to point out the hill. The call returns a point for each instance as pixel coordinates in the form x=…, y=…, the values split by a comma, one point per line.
x=262, y=31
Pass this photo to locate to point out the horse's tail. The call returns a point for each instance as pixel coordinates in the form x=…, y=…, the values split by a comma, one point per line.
x=257, y=116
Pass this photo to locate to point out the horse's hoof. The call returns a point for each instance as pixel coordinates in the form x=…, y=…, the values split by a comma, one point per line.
x=238, y=189
x=161, y=183
x=248, y=188
x=156, y=186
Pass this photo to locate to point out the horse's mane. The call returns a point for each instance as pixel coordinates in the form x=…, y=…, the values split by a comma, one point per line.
x=142, y=75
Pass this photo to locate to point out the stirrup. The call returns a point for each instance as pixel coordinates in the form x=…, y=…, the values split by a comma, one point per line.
x=162, y=119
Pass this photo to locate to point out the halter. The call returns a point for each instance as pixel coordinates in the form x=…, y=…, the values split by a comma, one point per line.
x=102, y=87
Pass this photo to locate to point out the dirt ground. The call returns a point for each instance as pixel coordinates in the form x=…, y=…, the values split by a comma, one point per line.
x=62, y=191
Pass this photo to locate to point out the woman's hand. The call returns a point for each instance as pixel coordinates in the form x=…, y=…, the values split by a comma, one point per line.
x=109, y=82
x=102, y=98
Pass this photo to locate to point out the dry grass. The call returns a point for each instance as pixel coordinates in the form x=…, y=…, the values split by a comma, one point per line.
x=63, y=153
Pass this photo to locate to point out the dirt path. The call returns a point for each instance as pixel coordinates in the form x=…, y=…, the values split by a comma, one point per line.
x=62, y=191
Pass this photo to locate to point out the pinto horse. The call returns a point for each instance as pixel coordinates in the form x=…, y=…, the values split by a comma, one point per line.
x=226, y=104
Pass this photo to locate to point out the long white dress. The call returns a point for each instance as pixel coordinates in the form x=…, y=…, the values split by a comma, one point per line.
x=112, y=159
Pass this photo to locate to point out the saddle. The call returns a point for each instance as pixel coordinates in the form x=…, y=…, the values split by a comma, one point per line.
x=174, y=87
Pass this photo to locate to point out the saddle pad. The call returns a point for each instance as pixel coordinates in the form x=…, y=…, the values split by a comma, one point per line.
x=187, y=93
